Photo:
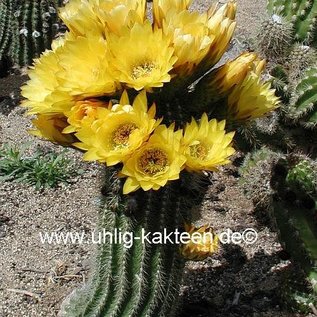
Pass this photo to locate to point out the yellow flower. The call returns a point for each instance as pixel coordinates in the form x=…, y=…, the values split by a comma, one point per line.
x=221, y=26
x=233, y=73
x=83, y=112
x=85, y=68
x=81, y=19
x=117, y=132
x=190, y=37
x=42, y=89
x=141, y=57
x=156, y=162
x=61, y=40
x=202, y=244
x=206, y=145
x=95, y=17
x=252, y=98
x=50, y=127
x=162, y=7
x=115, y=14
x=198, y=39
x=76, y=69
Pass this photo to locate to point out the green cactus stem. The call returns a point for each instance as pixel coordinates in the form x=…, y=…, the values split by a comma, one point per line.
x=294, y=210
x=286, y=188
x=302, y=14
x=275, y=38
x=300, y=58
x=255, y=176
x=142, y=280
x=302, y=177
x=297, y=231
x=303, y=105
x=5, y=14
x=27, y=28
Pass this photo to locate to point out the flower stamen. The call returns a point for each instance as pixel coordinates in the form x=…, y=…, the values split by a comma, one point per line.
x=142, y=70
x=198, y=151
x=121, y=135
x=153, y=161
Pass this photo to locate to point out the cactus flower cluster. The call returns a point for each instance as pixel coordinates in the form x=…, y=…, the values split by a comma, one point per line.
x=116, y=85
x=80, y=89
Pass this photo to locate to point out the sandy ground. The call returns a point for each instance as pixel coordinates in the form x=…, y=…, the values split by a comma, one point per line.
x=35, y=277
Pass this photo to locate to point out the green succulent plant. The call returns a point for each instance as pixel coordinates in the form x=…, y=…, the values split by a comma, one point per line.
x=289, y=197
x=27, y=28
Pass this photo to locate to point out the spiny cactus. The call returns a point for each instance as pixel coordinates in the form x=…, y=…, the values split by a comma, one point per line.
x=291, y=202
x=292, y=72
x=276, y=37
x=302, y=177
x=5, y=14
x=300, y=58
x=303, y=104
x=294, y=209
x=302, y=15
x=27, y=28
x=255, y=176
x=143, y=278
x=284, y=41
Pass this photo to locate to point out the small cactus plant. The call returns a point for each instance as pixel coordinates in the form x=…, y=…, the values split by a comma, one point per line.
x=301, y=14
x=27, y=28
x=294, y=209
x=290, y=200
x=286, y=42
x=284, y=185
x=255, y=176
x=303, y=103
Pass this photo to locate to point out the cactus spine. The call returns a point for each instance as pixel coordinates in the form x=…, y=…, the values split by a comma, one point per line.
x=303, y=105
x=302, y=15
x=294, y=209
x=291, y=201
x=291, y=196
x=27, y=28
x=5, y=13
x=286, y=42
x=142, y=280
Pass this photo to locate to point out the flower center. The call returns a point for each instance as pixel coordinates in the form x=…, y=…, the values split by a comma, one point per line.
x=142, y=70
x=84, y=111
x=198, y=151
x=121, y=135
x=153, y=161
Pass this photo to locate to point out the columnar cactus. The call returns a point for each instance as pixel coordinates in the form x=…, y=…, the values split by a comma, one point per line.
x=118, y=90
x=5, y=14
x=294, y=209
x=303, y=104
x=27, y=28
x=142, y=279
x=291, y=201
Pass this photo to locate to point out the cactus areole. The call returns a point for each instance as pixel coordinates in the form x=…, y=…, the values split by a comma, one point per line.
x=27, y=28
